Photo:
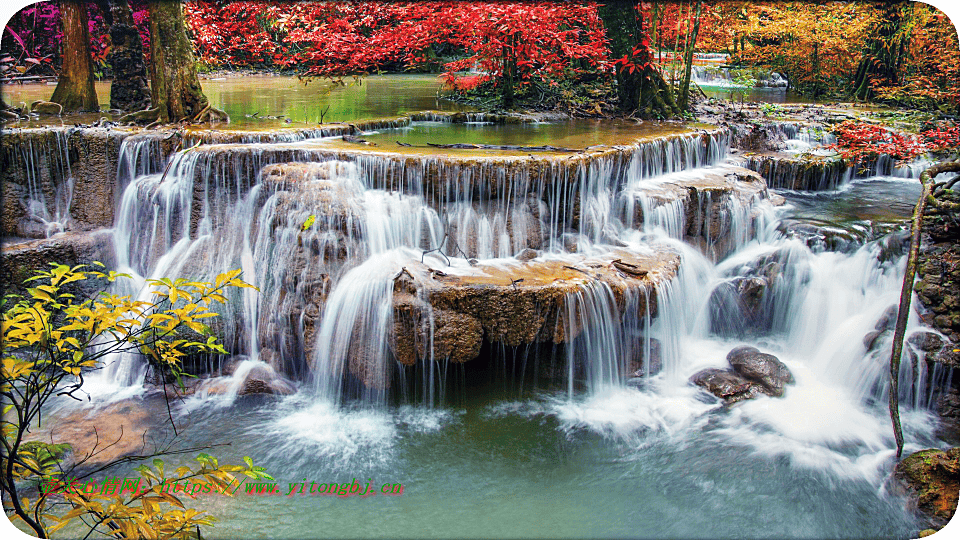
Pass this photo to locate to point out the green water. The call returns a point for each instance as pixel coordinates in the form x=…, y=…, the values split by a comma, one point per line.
x=522, y=469
x=572, y=134
x=250, y=99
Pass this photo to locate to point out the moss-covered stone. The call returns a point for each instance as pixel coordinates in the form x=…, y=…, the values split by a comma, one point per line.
x=931, y=478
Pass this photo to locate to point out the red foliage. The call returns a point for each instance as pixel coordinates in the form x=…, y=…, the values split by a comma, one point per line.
x=860, y=141
x=33, y=35
x=343, y=38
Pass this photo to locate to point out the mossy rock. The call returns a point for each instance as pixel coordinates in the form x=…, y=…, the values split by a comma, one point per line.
x=932, y=478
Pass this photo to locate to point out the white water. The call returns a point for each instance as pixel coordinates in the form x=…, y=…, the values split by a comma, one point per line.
x=822, y=303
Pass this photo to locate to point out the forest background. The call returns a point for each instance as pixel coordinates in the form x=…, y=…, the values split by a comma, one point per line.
x=900, y=53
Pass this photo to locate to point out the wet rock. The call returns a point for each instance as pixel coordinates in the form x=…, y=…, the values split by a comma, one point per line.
x=822, y=235
x=948, y=409
x=708, y=206
x=21, y=260
x=931, y=479
x=788, y=171
x=871, y=339
x=262, y=379
x=528, y=255
x=571, y=242
x=518, y=304
x=738, y=307
x=655, y=364
x=727, y=384
x=928, y=342
x=13, y=198
x=456, y=337
x=888, y=320
x=46, y=107
x=103, y=434
x=763, y=368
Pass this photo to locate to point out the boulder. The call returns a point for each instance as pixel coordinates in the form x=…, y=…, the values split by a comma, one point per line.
x=262, y=379
x=931, y=480
x=872, y=339
x=727, y=385
x=46, y=107
x=763, y=368
x=888, y=320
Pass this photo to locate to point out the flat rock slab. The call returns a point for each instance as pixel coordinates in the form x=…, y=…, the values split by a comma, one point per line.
x=446, y=312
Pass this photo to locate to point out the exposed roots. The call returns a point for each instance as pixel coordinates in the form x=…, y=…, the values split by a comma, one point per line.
x=146, y=116
x=212, y=115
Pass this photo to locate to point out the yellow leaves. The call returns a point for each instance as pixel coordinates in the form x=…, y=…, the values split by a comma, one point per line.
x=47, y=335
x=14, y=368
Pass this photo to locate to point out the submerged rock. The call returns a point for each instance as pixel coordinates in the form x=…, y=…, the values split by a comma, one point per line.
x=931, y=479
x=259, y=378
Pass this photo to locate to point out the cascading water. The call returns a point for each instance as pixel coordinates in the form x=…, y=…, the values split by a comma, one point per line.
x=326, y=236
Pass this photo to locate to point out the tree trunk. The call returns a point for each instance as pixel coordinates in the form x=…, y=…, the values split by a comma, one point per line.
x=883, y=53
x=175, y=92
x=641, y=90
x=75, y=90
x=688, y=60
x=906, y=290
x=509, y=71
x=129, y=90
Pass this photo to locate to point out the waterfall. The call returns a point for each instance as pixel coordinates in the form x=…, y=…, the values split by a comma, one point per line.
x=325, y=234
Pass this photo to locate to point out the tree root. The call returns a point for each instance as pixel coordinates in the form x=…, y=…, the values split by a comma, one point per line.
x=212, y=115
x=146, y=116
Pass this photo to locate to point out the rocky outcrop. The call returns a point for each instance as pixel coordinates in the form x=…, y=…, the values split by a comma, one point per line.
x=753, y=374
x=60, y=173
x=21, y=260
x=931, y=479
x=715, y=210
x=938, y=270
x=447, y=314
x=789, y=171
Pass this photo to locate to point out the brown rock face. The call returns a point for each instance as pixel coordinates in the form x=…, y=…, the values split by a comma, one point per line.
x=109, y=432
x=932, y=480
x=21, y=260
x=59, y=166
x=456, y=309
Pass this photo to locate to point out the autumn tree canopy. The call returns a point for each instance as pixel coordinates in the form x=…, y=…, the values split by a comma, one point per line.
x=898, y=52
